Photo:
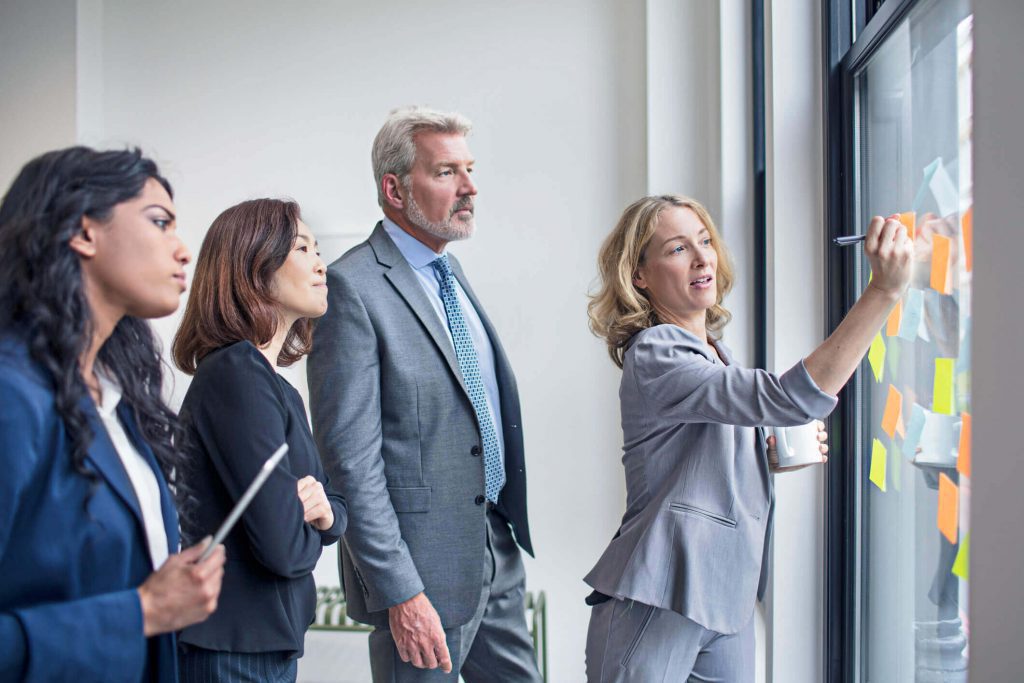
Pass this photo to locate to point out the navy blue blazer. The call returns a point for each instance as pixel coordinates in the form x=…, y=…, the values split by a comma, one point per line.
x=72, y=552
x=238, y=410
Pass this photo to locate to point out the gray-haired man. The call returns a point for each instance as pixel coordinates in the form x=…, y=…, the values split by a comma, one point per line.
x=416, y=413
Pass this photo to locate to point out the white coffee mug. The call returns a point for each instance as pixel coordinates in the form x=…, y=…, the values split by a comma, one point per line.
x=797, y=445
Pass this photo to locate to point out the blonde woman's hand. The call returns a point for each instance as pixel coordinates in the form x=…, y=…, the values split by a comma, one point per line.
x=773, y=452
x=890, y=253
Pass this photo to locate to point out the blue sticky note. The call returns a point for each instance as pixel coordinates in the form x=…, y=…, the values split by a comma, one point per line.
x=914, y=430
x=913, y=306
x=922, y=191
x=944, y=190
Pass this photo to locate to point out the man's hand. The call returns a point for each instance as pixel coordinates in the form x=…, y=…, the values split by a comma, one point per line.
x=773, y=452
x=315, y=506
x=418, y=635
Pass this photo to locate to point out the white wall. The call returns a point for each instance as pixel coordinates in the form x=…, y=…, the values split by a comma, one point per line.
x=239, y=99
x=37, y=81
x=796, y=321
x=997, y=506
x=580, y=107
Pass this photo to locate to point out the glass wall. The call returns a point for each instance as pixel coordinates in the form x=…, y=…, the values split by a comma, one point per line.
x=912, y=155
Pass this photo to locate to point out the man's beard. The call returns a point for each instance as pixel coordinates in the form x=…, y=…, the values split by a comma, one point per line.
x=449, y=229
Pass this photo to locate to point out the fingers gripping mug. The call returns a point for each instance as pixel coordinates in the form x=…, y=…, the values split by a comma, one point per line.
x=797, y=445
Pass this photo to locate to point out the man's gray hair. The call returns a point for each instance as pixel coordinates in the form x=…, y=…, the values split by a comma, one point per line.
x=394, y=148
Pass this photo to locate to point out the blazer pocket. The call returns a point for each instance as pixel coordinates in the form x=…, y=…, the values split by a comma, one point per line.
x=692, y=510
x=410, y=498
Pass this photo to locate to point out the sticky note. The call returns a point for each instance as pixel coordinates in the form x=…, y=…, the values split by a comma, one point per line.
x=893, y=351
x=949, y=507
x=967, y=232
x=901, y=427
x=896, y=466
x=963, y=457
x=942, y=389
x=877, y=471
x=893, y=406
x=941, y=280
x=876, y=356
x=909, y=220
x=915, y=427
x=943, y=190
x=922, y=191
x=892, y=325
x=962, y=557
x=913, y=307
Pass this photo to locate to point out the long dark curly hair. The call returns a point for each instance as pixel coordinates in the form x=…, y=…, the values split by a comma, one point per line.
x=42, y=295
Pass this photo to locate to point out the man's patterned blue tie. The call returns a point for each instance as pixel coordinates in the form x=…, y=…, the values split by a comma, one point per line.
x=465, y=352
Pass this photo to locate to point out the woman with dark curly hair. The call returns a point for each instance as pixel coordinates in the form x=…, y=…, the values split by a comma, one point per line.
x=259, y=283
x=93, y=585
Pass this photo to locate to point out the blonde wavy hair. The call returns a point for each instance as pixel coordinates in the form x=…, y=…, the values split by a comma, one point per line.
x=619, y=309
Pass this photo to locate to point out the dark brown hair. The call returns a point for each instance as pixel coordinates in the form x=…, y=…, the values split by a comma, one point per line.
x=231, y=298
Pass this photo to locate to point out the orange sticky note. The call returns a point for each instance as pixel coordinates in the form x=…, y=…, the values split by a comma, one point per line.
x=892, y=325
x=949, y=507
x=941, y=249
x=967, y=230
x=963, y=458
x=901, y=428
x=909, y=220
x=893, y=408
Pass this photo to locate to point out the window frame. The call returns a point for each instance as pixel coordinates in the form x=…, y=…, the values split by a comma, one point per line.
x=849, y=39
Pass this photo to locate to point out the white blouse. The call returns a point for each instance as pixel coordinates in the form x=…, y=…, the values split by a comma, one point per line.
x=141, y=475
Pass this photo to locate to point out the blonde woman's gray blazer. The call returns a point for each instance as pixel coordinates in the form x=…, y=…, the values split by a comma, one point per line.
x=699, y=493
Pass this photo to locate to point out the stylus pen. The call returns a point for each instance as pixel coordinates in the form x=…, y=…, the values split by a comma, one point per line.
x=847, y=240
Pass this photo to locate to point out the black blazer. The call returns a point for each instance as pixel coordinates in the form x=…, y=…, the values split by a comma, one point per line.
x=238, y=410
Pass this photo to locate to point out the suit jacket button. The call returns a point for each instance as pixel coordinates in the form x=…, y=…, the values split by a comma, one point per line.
x=480, y=500
x=475, y=450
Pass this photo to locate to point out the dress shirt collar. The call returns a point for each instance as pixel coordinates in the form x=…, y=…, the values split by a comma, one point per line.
x=415, y=252
x=111, y=391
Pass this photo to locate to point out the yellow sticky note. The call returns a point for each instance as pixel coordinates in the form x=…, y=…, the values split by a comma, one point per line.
x=892, y=325
x=942, y=389
x=963, y=458
x=909, y=220
x=878, y=457
x=962, y=557
x=941, y=249
x=967, y=230
x=949, y=507
x=876, y=356
x=893, y=408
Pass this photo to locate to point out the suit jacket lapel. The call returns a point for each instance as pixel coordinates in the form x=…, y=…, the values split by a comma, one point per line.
x=400, y=274
x=107, y=462
x=170, y=513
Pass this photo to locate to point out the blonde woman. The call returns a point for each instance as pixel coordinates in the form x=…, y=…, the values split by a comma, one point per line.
x=675, y=590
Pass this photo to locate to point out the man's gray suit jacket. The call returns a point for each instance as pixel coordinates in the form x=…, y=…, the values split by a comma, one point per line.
x=699, y=499
x=399, y=439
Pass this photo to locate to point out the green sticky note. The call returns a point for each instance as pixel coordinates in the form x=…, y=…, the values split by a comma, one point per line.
x=878, y=457
x=876, y=357
x=892, y=357
x=960, y=563
x=896, y=460
x=942, y=391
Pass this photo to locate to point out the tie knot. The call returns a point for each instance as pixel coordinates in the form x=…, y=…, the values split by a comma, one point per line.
x=442, y=266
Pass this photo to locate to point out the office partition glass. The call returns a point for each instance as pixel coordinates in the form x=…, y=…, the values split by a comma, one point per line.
x=911, y=154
